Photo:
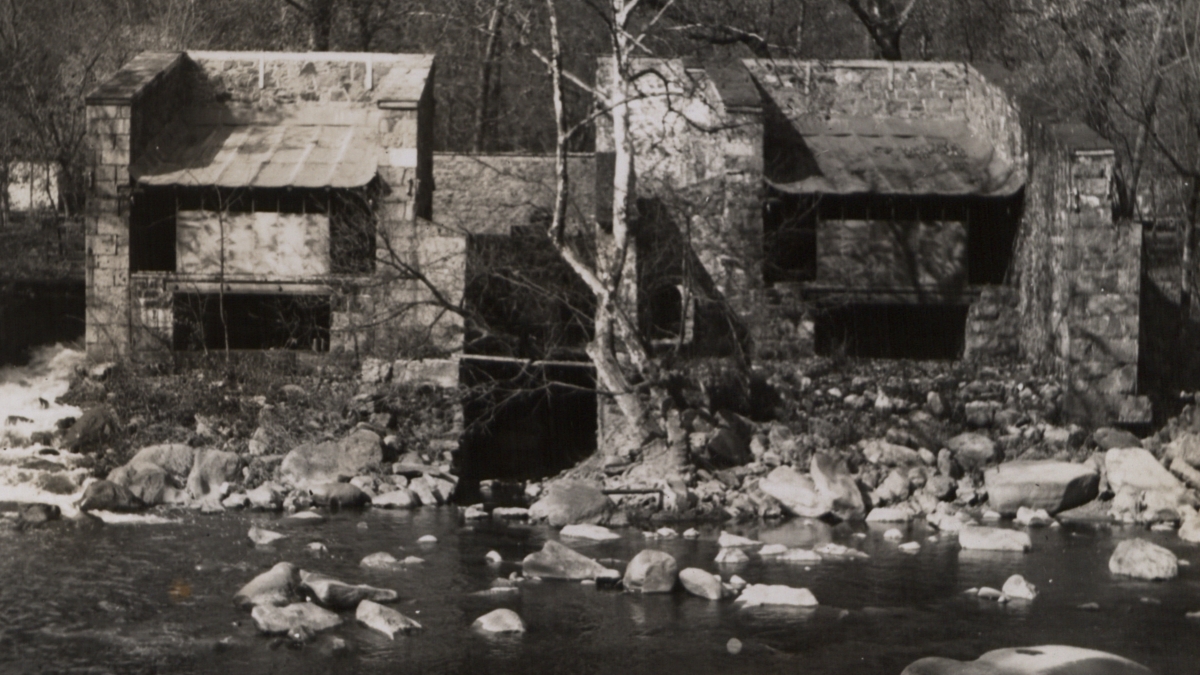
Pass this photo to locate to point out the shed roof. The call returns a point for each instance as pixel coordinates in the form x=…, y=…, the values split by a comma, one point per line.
x=208, y=148
x=892, y=156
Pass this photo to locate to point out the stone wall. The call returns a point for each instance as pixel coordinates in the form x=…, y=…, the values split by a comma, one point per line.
x=993, y=325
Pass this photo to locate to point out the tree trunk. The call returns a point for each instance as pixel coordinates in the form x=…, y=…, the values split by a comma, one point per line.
x=321, y=23
x=488, y=72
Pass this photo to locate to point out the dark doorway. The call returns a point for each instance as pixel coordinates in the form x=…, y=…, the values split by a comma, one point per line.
x=892, y=331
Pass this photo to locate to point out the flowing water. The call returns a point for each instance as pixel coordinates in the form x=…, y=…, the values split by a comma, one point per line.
x=155, y=596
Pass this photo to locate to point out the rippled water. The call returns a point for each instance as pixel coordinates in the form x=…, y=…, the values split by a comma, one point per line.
x=157, y=599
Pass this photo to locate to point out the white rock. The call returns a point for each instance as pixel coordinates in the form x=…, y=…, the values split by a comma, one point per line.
x=731, y=556
x=893, y=534
x=727, y=540
x=427, y=539
x=1031, y=518
x=263, y=537
x=380, y=560
x=493, y=558
x=500, y=621
x=990, y=516
x=1140, y=559
x=737, y=582
x=698, y=582
x=691, y=533
x=833, y=550
x=384, y=619
x=476, y=512
x=988, y=593
x=592, y=532
x=1017, y=587
x=510, y=513
x=772, y=550
x=888, y=514
x=799, y=555
x=910, y=547
x=763, y=594
x=666, y=533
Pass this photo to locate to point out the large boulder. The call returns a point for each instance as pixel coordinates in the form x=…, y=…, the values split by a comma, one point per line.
x=334, y=594
x=796, y=492
x=396, y=499
x=339, y=495
x=1042, y=660
x=1189, y=529
x=298, y=621
x=556, y=561
x=972, y=450
x=210, y=469
x=1140, y=559
x=566, y=502
x=174, y=458
x=1185, y=446
x=1107, y=438
x=104, y=495
x=701, y=583
x=93, y=428
x=835, y=483
x=384, y=619
x=979, y=538
x=313, y=463
x=148, y=482
x=1138, y=469
x=500, y=621
x=274, y=587
x=651, y=571
x=1053, y=486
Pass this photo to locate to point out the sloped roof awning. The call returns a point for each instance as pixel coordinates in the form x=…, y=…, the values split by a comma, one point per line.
x=219, y=152
x=898, y=157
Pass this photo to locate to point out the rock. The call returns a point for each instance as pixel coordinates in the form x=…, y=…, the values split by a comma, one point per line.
x=730, y=445
x=510, y=513
x=381, y=560
x=1141, y=559
x=835, y=484
x=265, y=498
x=1138, y=469
x=93, y=428
x=104, y=495
x=593, y=532
x=978, y=538
x=1186, y=472
x=493, y=558
x=942, y=488
x=734, y=646
x=396, y=499
x=1030, y=518
x=796, y=492
x=972, y=450
x=36, y=514
x=262, y=537
x=691, y=533
x=946, y=464
x=500, y=621
x=303, y=518
x=427, y=539
x=384, y=619
x=1017, y=587
x=58, y=483
x=895, y=488
x=174, y=458
x=339, y=496
x=893, y=534
x=934, y=404
x=890, y=454
x=335, y=594
x=731, y=556
x=762, y=594
x=298, y=621
x=1053, y=486
x=700, y=583
x=1185, y=447
x=1108, y=438
x=210, y=469
x=909, y=547
x=772, y=550
x=988, y=593
x=1042, y=660
x=799, y=556
x=651, y=571
x=980, y=413
x=556, y=561
x=274, y=587
x=888, y=514
x=567, y=502
x=147, y=482
x=359, y=453
x=729, y=540
x=1189, y=529
x=832, y=550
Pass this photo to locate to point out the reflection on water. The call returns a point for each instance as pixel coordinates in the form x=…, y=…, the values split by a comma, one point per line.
x=144, y=598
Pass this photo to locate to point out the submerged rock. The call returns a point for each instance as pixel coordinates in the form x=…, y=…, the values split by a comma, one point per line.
x=763, y=594
x=262, y=537
x=568, y=502
x=1017, y=587
x=1049, y=485
x=336, y=594
x=728, y=540
x=731, y=556
x=700, y=583
x=500, y=621
x=980, y=538
x=593, y=532
x=1042, y=660
x=299, y=620
x=651, y=571
x=36, y=514
x=274, y=587
x=384, y=619
x=556, y=561
x=1141, y=559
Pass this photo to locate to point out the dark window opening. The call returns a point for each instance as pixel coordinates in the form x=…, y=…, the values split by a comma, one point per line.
x=352, y=232
x=666, y=313
x=892, y=331
x=152, y=231
x=991, y=234
x=790, y=237
x=251, y=321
